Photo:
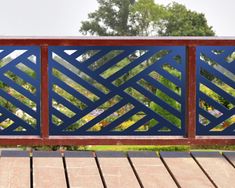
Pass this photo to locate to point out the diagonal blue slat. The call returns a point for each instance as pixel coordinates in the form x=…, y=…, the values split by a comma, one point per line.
x=15, y=61
x=149, y=111
x=141, y=59
x=132, y=65
x=65, y=102
x=102, y=116
x=175, y=65
x=25, y=76
x=3, y=118
x=59, y=114
x=170, y=77
x=30, y=64
x=163, y=88
x=96, y=57
x=77, y=79
x=217, y=74
x=18, y=88
x=86, y=111
x=227, y=50
x=78, y=52
x=15, y=118
x=149, y=69
x=230, y=129
x=137, y=124
x=206, y=114
x=11, y=128
x=158, y=101
x=213, y=103
x=219, y=120
x=82, y=67
x=114, y=61
x=118, y=121
x=221, y=61
x=71, y=90
x=5, y=53
x=217, y=90
x=18, y=104
x=173, y=130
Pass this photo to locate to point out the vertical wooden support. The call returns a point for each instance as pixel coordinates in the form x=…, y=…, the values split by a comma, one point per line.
x=191, y=93
x=44, y=93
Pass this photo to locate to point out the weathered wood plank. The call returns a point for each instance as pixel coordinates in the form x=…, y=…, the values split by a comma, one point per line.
x=185, y=170
x=151, y=171
x=15, y=169
x=82, y=170
x=116, y=170
x=48, y=170
x=231, y=157
x=217, y=167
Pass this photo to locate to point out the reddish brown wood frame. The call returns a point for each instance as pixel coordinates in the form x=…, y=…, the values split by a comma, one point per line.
x=189, y=139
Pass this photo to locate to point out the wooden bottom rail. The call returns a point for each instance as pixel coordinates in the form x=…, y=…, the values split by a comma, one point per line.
x=116, y=169
x=114, y=140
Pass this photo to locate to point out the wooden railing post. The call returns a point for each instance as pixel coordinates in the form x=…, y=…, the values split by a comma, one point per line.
x=44, y=93
x=191, y=92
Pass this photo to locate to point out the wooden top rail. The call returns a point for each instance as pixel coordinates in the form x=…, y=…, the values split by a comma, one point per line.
x=124, y=41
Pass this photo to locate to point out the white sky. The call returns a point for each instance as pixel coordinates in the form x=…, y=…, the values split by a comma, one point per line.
x=63, y=17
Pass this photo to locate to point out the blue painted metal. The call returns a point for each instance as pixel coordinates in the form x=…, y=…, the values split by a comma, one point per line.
x=71, y=63
x=217, y=65
x=13, y=114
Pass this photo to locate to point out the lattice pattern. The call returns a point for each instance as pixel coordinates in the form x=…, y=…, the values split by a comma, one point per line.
x=117, y=90
x=216, y=90
x=19, y=90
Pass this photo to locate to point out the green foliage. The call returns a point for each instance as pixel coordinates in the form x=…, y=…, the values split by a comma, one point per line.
x=111, y=19
x=144, y=18
x=173, y=103
x=183, y=22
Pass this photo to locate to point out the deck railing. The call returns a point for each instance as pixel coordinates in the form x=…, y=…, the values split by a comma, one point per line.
x=82, y=91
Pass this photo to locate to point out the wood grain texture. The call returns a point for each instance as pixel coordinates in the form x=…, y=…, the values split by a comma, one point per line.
x=48, y=170
x=82, y=170
x=185, y=170
x=14, y=169
x=151, y=171
x=116, y=170
x=217, y=167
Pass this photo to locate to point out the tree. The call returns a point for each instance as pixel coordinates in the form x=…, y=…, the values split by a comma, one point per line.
x=110, y=19
x=144, y=18
x=182, y=22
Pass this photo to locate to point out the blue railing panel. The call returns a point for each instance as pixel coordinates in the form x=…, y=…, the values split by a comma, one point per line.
x=117, y=90
x=215, y=90
x=19, y=90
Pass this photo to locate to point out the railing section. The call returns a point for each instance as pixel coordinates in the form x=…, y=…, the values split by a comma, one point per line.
x=215, y=90
x=129, y=90
x=54, y=90
x=19, y=90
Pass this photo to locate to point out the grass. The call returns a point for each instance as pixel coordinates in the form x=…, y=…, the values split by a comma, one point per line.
x=126, y=148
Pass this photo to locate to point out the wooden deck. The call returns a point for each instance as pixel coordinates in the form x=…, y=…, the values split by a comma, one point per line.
x=19, y=169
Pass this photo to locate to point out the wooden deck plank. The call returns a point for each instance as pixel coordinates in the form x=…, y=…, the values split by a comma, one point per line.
x=82, y=170
x=185, y=170
x=151, y=171
x=14, y=169
x=217, y=167
x=231, y=157
x=116, y=170
x=48, y=170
